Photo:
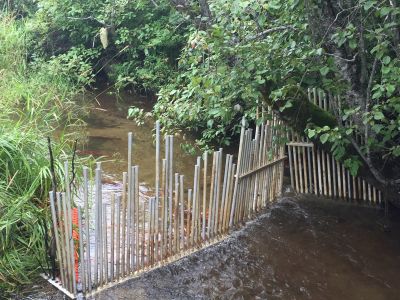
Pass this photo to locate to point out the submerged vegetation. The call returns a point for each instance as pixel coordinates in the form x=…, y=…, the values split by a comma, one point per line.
x=209, y=63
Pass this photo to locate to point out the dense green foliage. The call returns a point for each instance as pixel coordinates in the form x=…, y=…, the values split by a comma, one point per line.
x=133, y=42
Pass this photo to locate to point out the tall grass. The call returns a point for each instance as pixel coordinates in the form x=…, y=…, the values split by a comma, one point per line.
x=24, y=182
x=34, y=102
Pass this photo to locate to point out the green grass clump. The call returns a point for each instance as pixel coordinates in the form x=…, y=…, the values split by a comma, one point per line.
x=24, y=182
x=35, y=102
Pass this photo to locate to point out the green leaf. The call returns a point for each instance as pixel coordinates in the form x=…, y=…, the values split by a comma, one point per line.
x=324, y=138
x=311, y=133
x=378, y=115
x=324, y=71
x=386, y=60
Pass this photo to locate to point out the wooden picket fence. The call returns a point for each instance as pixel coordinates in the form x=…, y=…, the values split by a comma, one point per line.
x=315, y=171
x=124, y=234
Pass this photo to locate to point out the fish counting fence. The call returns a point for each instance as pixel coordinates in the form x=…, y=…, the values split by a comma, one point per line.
x=314, y=171
x=130, y=234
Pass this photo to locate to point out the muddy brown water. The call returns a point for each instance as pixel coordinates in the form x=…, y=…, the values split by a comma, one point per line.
x=107, y=131
x=301, y=247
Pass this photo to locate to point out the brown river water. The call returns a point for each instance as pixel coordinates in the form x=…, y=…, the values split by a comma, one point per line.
x=301, y=247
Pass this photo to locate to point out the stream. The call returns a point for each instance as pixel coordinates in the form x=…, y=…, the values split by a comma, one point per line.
x=301, y=247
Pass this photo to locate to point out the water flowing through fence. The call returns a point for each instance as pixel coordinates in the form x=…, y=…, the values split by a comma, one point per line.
x=142, y=233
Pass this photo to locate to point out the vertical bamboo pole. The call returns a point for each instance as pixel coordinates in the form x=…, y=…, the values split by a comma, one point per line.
x=86, y=202
x=334, y=176
x=203, y=230
x=67, y=244
x=227, y=195
x=157, y=186
x=369, y=194
x=163, y=204
x=126, y=263
x=134, y=199
x=210, y=203
x=147, y=235
x=218, y=188
x=143, y=235
x=124, y=212
x=320, y=188
x=112, y=241
x=82, y=273
x=182, y=216
x=224, y=191
x=230, y=196
x=56, y=237
x=136, y=216
x=348, y=185
x=63, y=242
x=118, y=225
x=188, y=222
x=171, y=178
x=105, y=245
x=339, y=179
x=296, y=173
x=315, y=95
x=68, y=199
x=310, y=178
x=176, y=216
x=166, y=195
x=150, y=233
x=328, y=163
x=344, y=182
x=235, y=191
x=193, y=223
x=324, y=174
x=364, y=190
x=374, y=194
x=197, y=192
x=314, y=169
x=305, y=173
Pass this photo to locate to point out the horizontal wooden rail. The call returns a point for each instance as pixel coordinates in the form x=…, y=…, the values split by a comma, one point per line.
x=300, y=144
x=262, y=167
